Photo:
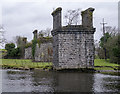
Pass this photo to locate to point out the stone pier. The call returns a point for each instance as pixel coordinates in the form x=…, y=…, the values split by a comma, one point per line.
x=73, y=45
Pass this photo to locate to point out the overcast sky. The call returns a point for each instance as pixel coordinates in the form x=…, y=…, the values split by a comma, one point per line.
x=21, y=18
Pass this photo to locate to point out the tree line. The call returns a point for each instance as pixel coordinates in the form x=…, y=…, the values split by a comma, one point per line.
x=111, y=44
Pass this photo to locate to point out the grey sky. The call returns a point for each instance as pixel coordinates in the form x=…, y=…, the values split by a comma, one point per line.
x=21, y=18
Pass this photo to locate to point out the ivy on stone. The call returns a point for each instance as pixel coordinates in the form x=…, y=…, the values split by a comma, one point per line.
x=34, y=42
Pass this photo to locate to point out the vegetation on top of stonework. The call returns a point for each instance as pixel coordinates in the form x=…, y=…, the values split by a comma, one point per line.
x=39, y=41
x=28, y=45
x=45, y=39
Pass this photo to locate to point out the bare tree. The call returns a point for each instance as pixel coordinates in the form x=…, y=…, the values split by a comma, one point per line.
x=18, y=40
x=72, y=16
x=111, y=30
x=2, y=37
x=41, y=33
x=46, y=32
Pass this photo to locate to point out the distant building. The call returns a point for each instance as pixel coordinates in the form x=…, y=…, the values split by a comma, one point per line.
x=43, y=50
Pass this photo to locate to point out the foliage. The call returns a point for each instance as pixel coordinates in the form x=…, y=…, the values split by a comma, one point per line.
x=21, y=42
x=34, y=42
x=9, y=46
x=113, y=45
x=3, y=53
x=28, y=45
x=12, y=52
x=102, y=48
x=107, y=36
x=38, y=41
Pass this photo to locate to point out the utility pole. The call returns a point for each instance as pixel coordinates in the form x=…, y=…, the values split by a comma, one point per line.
x=103, y=24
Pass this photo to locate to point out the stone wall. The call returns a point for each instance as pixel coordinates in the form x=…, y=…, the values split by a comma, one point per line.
x=43, y=53
x=73, y=49
x=28, y=53
x=73, y=45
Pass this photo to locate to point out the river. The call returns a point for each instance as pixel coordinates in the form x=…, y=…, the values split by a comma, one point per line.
x=44, y=81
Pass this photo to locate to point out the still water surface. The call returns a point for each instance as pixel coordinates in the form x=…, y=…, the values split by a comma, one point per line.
x=42, y=81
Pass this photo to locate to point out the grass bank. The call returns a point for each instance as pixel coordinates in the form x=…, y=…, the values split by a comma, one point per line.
x=100, y=64
x=24, y=64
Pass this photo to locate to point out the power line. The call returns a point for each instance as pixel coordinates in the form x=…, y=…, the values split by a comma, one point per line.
x=103, y=25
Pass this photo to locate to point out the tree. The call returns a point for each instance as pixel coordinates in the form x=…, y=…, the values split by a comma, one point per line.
x=21, y=43
x=2, y=37
x=72, y=16
x=103, y=46
x=102, y=42
x=18, y=40
x=113, y=45
x=111, y=30
x=12, y=52
x=48, y=32
x=9, y=46
x=41, y=33
x=45, y=33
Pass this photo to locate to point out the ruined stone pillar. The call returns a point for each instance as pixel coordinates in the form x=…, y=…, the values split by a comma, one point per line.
x=35, y=34
x=57, y=18
x=24, y=40
x=73, y=45
x=87, y=17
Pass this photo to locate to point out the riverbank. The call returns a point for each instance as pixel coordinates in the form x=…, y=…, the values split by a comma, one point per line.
x=25, y=64
x=102, y=66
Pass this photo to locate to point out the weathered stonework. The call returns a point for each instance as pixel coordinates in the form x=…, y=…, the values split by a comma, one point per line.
x=28, y=53
x=73, y=45
x=44, y=52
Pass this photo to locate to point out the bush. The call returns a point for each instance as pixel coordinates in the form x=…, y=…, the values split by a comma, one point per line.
x=113, y=45
x=12, y=52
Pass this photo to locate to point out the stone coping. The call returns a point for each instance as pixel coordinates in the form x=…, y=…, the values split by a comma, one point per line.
x=56, y=11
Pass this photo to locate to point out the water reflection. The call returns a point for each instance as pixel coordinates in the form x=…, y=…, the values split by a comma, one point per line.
x=42, y=81
x=73, y=82
x=106, y=83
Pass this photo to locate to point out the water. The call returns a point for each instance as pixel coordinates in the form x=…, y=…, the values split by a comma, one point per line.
x=43, y=81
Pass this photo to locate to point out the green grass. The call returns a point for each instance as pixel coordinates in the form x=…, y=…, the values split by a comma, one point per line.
x=102, y=62
x=24, y=63
x=3, y=50
x=105, y=63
